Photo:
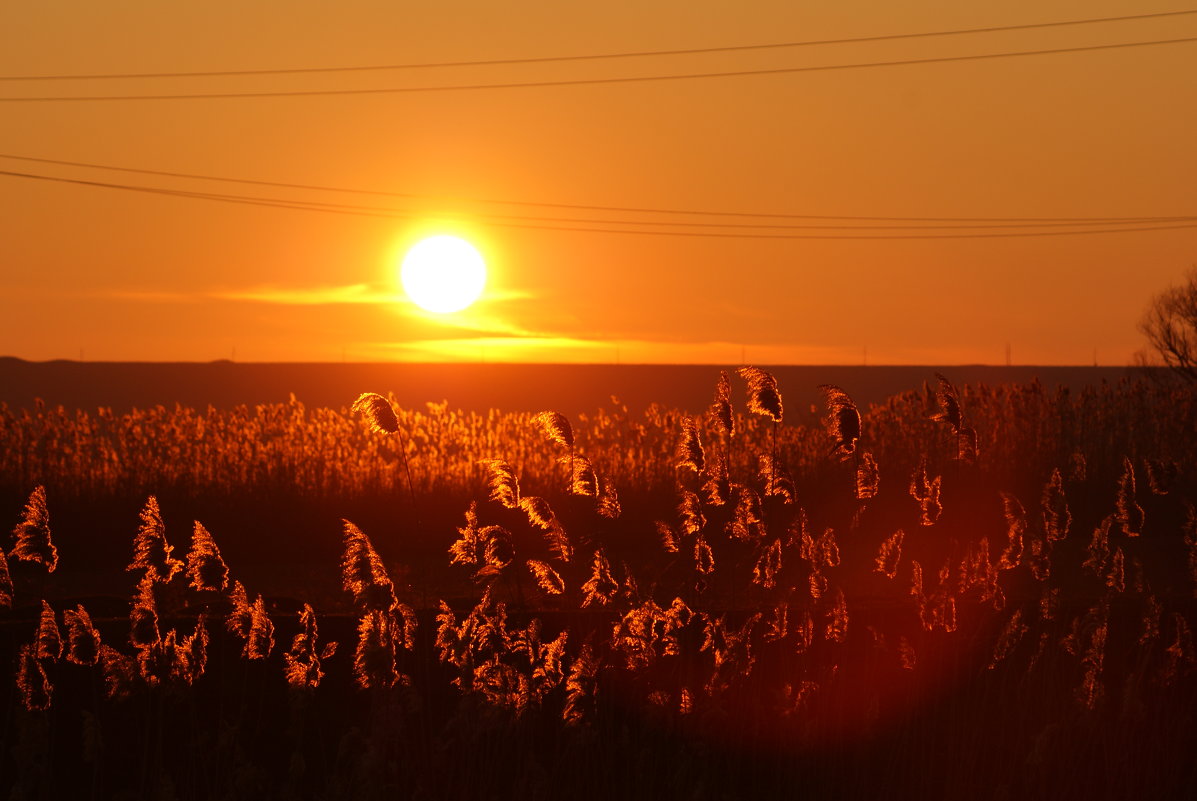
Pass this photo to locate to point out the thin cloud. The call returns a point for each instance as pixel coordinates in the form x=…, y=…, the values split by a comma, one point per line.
x=352, y=293
x=151, y=296
x=311, y=296
x=302, y=296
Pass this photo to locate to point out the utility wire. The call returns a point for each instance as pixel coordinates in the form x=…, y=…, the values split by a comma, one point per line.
x=598, y=56
x=600, y=81
x=334, y=209
x=1031, y=221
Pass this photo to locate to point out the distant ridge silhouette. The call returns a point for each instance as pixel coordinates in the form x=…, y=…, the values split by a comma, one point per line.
x=568, y=388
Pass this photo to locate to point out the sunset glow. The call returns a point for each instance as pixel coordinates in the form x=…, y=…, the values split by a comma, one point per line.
x=941, y=207
x=598, y=400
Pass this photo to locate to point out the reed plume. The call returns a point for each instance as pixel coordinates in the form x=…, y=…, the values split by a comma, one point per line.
x=450, y=646
x=363, y=573
x=374, y=659
x=583, y=480
x=504, y=484
x=548, y=665
x=689, y=446
x=380, y=416
x=1130, y=513
x=747, y=523
x=804, y=632
x=816, y=583
x=468, y=548
x=206, y=569
x=763, y=396
x=916, y=581
x=637, y=634
x=558, y=542
x=151, y=552
x=768, y=565
x=764, y=399
x=33, y=533
x=259, y=641
x=546, y=577
x=36, y=689
x=1162, y=476
x=49, y=639
x=1008, y=639
x=556, y=428
x=669, y=540
x=836, y=629
x=690, y=511
x=580, y=688
x=1049, y=604
x=889, y=555
x=777, y=627
x=1078, y=467
x=240, y=617
x=1057, y=519
x=1016, y=529
x=925, y=490
x=143, y=615
x=1039, y=558
x=1152, y=613
x=1181, y=655
x=607, y=503
x=541, y=515
x=951, y=413
x=721, y=408
x=949, y=404
x=827, y=549
x=842, y=422
x=600, y=588
x=704, y=559
x=868, y=477
x=498, y=552
x=83, y=640
x=302, y=661
x=776, y=481
x=1099, y=547
x=717, y=487
x=6, y=587
x=1116, y=575
x=193, y=651
x=119, y=671
x=1091, y=691
x=377, y=412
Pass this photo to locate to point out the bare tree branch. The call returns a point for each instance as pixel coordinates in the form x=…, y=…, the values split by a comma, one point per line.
x=1170, y=325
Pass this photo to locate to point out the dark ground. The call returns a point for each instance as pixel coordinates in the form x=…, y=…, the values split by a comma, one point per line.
x=569, y=389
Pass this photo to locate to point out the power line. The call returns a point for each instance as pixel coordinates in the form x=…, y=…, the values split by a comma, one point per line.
x=335, y=209
x=581, y=207
x=598, y=56
x=600, y=81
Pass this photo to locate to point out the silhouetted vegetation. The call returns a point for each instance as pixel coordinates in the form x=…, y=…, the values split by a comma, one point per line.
x=965, y=592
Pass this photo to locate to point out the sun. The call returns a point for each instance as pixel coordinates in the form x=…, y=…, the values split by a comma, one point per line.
x=443, y=274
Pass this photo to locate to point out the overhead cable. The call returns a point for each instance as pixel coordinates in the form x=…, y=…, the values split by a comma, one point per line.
x=543, y=84
x=345, y=210
x=595, y=56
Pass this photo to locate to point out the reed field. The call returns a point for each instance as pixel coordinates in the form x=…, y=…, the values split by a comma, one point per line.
x=964, y=592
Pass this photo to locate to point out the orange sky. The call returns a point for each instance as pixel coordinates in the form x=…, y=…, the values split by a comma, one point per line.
x=118, y=275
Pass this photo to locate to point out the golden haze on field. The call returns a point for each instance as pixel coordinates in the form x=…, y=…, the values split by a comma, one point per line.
x=109, y=274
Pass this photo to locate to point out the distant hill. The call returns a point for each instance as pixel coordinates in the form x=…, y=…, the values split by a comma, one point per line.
x=569, y=388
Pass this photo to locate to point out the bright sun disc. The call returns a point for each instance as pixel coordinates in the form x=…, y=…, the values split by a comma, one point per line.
x=443, y=274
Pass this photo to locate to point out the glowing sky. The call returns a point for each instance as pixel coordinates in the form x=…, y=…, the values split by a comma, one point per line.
x=116, y=275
